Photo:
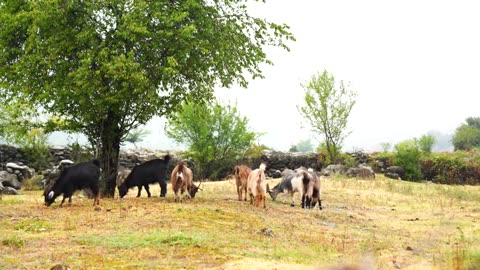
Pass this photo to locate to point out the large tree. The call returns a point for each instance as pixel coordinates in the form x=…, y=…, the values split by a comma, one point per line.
x=467, y=135
x=216, y=136
x=327, y=108
x=102, y=68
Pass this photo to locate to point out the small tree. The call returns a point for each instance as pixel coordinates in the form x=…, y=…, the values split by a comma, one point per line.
x=385, y=146
x=327, y=109
x=467, y=136
x=256, y=150
x=426, y=143
x=135, y=136
x=302, y=146
x=216, y=136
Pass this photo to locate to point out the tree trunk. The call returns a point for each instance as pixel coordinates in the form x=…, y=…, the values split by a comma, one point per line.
x=109, y=155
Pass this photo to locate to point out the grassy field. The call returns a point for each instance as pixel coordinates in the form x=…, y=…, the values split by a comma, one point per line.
x=382, y=223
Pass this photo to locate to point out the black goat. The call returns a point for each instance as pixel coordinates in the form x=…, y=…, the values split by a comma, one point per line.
x=71, y=179
x=149, y=172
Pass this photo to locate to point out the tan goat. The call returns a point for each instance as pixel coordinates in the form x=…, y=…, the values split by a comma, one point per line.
x=257, y=186
x=241, y=178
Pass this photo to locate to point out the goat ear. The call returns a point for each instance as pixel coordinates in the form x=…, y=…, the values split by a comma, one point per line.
x=50, y=195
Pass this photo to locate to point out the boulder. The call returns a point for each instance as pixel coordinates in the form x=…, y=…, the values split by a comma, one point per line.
x=393, y=175
x=21, y=170
x=395, y=170
x=333, y=169
x=361, y=172
x=9, y=180
x=9, y=191
x=274, y=173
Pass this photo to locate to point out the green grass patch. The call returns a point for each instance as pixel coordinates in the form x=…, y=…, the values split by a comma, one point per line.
x=127, y=240
x=34, y=225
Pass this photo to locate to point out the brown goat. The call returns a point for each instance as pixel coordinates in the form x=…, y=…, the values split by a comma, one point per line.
x=312, y=190
x=181, y=180
x=241, y=178
x=257, y=186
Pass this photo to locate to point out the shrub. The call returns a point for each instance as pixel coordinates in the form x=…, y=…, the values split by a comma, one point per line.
x=460, y=167
x=408, y=157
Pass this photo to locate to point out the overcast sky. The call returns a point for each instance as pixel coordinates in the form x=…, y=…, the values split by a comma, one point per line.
x=415, y=66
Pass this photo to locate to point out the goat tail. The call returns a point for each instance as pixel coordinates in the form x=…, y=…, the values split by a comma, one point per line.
x=263, y=167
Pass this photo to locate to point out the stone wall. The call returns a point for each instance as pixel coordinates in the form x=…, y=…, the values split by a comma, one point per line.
x=276, y=161
x=11, y=154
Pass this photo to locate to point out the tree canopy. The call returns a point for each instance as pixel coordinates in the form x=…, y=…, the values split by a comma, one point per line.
x=216, y=136
x=102, y=68
x=327, y=109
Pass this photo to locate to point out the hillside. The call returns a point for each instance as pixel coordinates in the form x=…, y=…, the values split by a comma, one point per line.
x=383, y=223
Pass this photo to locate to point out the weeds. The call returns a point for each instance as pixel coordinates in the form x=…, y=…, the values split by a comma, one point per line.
x=13, y=242
x=32, y=183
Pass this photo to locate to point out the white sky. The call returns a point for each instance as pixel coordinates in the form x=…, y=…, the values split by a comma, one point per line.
x=415, y=66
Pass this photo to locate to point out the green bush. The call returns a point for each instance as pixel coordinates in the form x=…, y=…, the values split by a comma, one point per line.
x=408, y=157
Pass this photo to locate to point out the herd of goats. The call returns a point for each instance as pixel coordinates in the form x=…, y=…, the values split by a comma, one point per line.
x=248, y=181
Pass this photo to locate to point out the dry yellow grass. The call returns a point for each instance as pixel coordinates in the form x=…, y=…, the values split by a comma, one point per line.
x=390, y=224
